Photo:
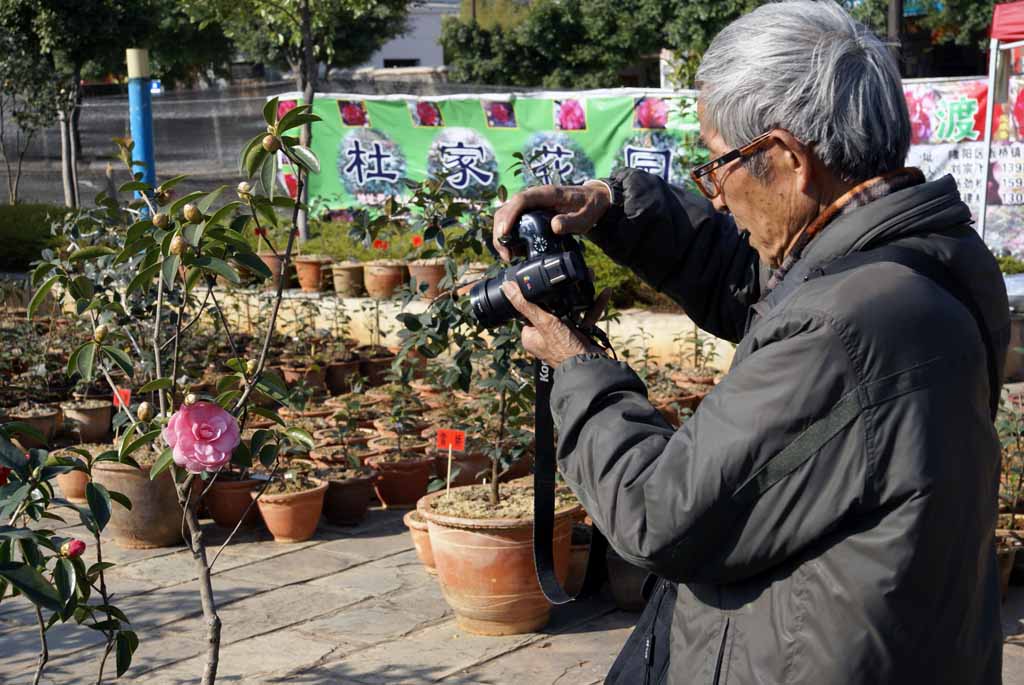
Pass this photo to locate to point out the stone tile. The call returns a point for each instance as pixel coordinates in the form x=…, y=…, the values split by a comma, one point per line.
x=385, y=618
x=395, y=574
x=291, y=567
x=1013, y=664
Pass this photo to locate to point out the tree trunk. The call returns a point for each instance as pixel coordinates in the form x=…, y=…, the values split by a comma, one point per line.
x=308, y=75
x=895, y=26
x=65, y=158
x=76, y=144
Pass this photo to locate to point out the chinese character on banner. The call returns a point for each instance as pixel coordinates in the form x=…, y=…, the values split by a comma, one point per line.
x=956, y=120
x=650, y=160
x=461, y=161
x=450, y=438
x=552, y=163
x=368, y=165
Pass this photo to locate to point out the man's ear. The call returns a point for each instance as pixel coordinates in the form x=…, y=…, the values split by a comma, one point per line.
x=795, y=158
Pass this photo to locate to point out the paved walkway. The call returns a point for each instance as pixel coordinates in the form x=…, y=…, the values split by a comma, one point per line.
x=352, y=606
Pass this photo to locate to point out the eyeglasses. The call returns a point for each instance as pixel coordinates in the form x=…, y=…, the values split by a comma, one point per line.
x=704, y=175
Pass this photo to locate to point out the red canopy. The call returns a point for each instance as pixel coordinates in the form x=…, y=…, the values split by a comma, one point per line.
x=1008, y=22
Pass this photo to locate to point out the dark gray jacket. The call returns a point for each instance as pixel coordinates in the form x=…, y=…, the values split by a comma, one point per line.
x=871, y=562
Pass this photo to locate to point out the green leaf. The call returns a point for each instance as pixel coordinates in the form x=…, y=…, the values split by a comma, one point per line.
x=119, y=357
x=173, y=181
x=31, y=584
x=254, y=159
x=128, y=448
x=226, y=399
x=144, y=277
x=270, y=111
x=272, y=384
x=218, y=266
x=253, y=264
x=125, y=645
x=90, y=252
x=12, y=457
x=12, y=533
x=170, y=270
x=41, y=271
x=41, y=294
x=301, y=437
x=64, y=579
x=211, y=197
x=268, y=454
x=267, y=414
x=165, y=459
x=134, y=185
x=84, y=361
x=249, y=149
x=268, y=175
x=121, y=499
x=306, y=158
x=138, y=230
x=158, y=384
x=223, y=213
x=99, y=503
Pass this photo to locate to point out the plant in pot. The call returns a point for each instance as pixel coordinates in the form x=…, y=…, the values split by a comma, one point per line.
x=403, y=469
x=349, y=485
x=696, y=356
x=1009, y=534
x=343, y=366
x=375, y=359
x=44, y=419
x=427, y=271
x=311, y=270
x=144, y=283
x=291, y=504
x=90, y=416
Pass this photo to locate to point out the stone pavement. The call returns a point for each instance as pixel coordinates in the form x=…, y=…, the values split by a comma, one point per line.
x=352, y=606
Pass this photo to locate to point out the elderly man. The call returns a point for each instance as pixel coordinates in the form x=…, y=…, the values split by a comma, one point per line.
x=826, y=516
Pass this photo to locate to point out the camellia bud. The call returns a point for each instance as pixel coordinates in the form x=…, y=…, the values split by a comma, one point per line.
x=72, y=549
x=100, y=334
x=244, y=190
x=191, y=399
x=161, y=220
x=177, y=245
x=162, y=197
x=250, y=367
x=271, y=143
x=144, y=412
x=192, y=214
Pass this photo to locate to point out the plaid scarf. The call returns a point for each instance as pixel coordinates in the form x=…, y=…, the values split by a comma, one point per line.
x=858, y=196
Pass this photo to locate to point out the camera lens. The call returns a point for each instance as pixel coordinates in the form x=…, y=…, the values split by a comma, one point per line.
x=490, y=305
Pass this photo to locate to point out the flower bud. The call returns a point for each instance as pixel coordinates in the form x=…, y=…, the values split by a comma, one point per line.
x=192, y=214
x=72, y=549
x=100, y=334
x=177, y=246
x=161, y=220
x=191, y=399
x=162, y=196
x=244, y=190
x=144, y=412
x=250, y=367
x=271, y=143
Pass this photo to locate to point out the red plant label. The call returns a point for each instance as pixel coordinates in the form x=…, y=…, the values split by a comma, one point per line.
x=448, y=437
x=123, y=398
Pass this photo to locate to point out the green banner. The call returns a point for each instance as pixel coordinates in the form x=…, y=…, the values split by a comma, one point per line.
x=368, y=145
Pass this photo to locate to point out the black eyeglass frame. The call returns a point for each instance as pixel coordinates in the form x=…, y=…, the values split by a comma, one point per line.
x=708, y=168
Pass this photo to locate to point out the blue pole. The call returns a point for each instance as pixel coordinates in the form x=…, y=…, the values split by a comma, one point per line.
x=140, y=112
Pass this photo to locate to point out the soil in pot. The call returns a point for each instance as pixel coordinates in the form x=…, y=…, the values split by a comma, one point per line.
x=339, y=376
x=374, y=363
x=336, y=454
x=155, y=517
x=427, y=272
x=291, y=507
x=420, y=539
x=402, y=478
x=484, y=556
x=468, y=468
x=311, y=269
x=228, y=501
x=44, y=419
x=348, y=279
x=348, y=493
x=91, y=418
x=382, y=277
x=387, y=443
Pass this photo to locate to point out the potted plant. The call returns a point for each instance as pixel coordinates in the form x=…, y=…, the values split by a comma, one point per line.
x=426, y=276
x=348, y=278
x=349, y=488
x=420, y=534
x=311, y=270
x=292, y=504
x=1009, y=533
x=91, y=417
x=404, y=470
x=43, y=418
x=696, y=357
x=382, y=277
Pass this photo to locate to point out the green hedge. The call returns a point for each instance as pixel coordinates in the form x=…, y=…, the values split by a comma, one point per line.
x=25, y=233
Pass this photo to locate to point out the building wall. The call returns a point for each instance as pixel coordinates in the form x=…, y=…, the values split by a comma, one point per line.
x=421, y=42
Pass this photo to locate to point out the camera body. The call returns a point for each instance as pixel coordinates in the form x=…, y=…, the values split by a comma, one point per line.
x=553, y=275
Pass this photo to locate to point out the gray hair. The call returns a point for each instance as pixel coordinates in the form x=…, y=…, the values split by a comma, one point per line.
x=808, y=67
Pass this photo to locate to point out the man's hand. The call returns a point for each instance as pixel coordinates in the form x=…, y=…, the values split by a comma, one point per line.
x=548, y=337
x=578, y=208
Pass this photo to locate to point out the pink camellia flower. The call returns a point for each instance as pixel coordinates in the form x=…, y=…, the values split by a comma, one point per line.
x=501, y=113
x=652, y=113
x=571, y=116
x=72, y=549
x=202, y=437
x=353, y=114
x=428, y=114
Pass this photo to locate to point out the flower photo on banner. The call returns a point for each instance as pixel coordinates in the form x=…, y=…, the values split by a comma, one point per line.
x=353, y=113
x=425, y=113
x=650, y=113
x=570, y=115
x=499, y=114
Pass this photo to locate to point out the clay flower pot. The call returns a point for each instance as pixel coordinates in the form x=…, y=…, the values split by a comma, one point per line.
x=292, y=516
x=314, y=375
x=401, y=483
x=43, y=419
x=311, y=270
x=72, y=486
x=472, y=468
x=381, y=278
x=348, y=279
x=273, y=263
x=429, y=271
x=374, y=363
x=91, y=418
x=420, y=539
x=228, y=500
x=346, y=501
x=339, y=375
x=155, y=517
x=487, y=572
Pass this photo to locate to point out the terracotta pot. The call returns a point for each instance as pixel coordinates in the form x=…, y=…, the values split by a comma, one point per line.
x=400, y=484
x=313, y=376
x=429, y=272
x=375, y=370
x=381, y=280
x=155, y=517
x=414, y=427
x=228, y=500
x=292, y=517
x=72, y=486
x=346, y=501
x=327, y=437
x=339, y=375
x=93, y=423
x=45, y=424
x=386, y=443
x=420, y=539
x=311, y=272
x=487, y=571
x=473, y=468
x=273, y=263
x=626, y=582
x=578, y=555
x=348, y=279
x=693, y=378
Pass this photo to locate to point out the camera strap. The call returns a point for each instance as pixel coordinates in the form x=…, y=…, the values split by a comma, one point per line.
x=544, y=469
